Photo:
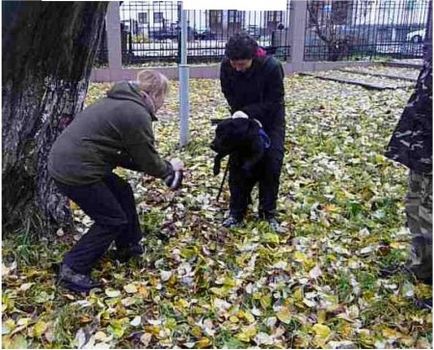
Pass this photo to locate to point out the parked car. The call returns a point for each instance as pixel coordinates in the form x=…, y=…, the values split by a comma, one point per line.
x=254, y=31
x=204, y=34
x=416, y=36
x=163, y=34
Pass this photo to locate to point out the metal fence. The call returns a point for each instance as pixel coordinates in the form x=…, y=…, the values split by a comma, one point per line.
x=150, y=32
x=361, y=29
x=335, y=30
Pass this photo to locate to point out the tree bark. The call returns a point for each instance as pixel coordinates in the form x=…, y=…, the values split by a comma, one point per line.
x=48, y=52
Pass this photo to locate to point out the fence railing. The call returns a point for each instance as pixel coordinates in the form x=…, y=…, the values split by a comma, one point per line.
x=330, y=30
x=343, y=30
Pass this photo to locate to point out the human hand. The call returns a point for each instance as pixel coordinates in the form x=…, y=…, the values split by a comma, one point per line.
x=240, y=114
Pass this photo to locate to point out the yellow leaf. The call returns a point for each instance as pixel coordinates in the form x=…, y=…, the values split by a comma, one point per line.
x=249, y=317
x=143, y=291
x=221, y=292
x=330, y=208
x=39, y=328
x=73, y=205
x=154, y=330
x=203, y=343
x=284, y=315
x=257, y=295
x=265, y=301
x=322, y=315
x=299, y=257
x=390, y=333
x=229, y=282
x=321, y=331
x=397, y=245
x=196, y=331
x=298, y=295
x=246, y=334
x=182, y=303
x=407, y=340
x=8, y=326
x=234, y=319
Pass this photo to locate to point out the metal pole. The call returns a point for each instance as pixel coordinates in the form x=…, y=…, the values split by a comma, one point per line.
x=183, y=82
x=427, y=49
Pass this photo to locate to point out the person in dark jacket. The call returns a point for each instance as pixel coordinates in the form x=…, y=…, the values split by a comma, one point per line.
x=411, y=145
x=252, y=84
x=115, y=131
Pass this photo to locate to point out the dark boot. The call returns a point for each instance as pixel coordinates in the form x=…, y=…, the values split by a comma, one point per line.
x=271, y=219
x=124, y=254
x=232, y=222
x=75, y=281
x=274, y=224
x=423, y=304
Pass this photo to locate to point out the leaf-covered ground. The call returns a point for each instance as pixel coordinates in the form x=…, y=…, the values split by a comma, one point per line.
x=198, y=285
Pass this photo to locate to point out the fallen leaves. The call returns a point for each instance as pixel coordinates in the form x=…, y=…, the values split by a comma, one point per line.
x=200, y=286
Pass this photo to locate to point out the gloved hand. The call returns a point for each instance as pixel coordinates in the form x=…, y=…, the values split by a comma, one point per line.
x=177, y=164
x=240, y=114
x=174, y=180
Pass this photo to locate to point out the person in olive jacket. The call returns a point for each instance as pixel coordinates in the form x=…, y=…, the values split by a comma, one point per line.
x=252, y=84
x=115, y=131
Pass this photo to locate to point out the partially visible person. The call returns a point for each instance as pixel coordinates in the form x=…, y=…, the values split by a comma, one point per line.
x=114, y=131
x=411, y=145
x=252, y=84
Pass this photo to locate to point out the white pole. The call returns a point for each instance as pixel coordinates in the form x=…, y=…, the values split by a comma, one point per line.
x=183, y=82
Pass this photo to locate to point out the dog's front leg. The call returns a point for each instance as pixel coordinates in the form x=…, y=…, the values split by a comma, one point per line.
x=217, y=163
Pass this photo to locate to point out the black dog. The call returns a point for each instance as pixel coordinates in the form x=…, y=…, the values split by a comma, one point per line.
x=243, y=138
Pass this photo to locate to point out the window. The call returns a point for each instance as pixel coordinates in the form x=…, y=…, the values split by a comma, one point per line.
x=274, y=16
x=216, y=16
x=158, y=17
x=143, y=17
x=234, y=16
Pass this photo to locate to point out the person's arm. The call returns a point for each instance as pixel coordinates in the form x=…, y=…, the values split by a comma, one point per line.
x=128, y=163
x=272, y=98
x=227, y=88
x=140, y=146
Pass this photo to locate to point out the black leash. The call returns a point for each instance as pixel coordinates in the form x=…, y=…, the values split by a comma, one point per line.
x=223, y=181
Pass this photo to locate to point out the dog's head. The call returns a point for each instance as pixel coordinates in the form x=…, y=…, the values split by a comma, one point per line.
x=234, y=135
x=239, y=136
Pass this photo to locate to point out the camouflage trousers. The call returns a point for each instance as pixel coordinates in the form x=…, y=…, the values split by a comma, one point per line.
x=418, y=205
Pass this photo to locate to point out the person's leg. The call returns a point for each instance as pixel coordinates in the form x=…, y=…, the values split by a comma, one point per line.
x=269, y=182
x=419, y=221
x=123, y=192
x=99, y=203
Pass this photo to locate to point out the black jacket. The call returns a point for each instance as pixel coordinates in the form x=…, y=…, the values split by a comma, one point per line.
x=258, y=92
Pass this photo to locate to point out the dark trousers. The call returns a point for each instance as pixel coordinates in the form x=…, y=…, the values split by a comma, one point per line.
x=110, y=203
x=266, y=173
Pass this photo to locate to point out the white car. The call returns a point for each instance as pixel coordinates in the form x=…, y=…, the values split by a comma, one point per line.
x=416, y=36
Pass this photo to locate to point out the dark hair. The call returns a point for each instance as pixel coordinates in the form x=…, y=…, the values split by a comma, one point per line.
x=241, y=47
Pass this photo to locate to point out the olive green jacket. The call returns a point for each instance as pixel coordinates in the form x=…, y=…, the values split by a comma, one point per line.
x=115, y=131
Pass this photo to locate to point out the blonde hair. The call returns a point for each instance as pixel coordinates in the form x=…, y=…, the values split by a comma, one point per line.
x=155, y=84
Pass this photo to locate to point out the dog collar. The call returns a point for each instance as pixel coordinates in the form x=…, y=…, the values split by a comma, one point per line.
x=265, y=138
x=259, y=123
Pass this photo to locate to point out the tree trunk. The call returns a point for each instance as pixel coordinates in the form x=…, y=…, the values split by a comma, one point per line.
x=48, y=52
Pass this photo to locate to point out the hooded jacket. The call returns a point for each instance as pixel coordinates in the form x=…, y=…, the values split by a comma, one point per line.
x=115, y=131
